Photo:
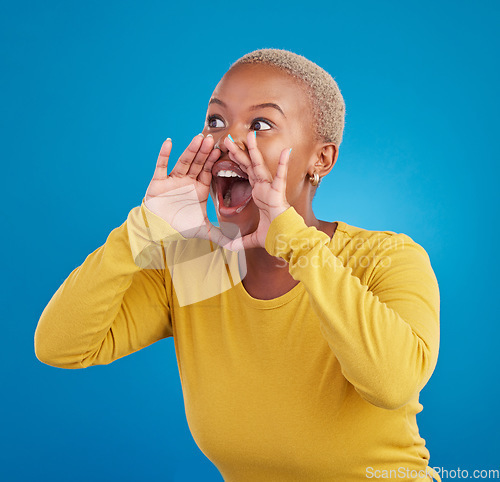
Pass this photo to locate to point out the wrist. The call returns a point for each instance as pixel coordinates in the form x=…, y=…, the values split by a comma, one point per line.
x=275, y=212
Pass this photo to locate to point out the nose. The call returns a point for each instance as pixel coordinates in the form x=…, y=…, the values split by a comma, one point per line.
x=239, y=140
x=220, y=144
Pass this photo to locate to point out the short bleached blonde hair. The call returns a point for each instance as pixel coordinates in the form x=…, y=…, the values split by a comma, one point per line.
x=327, y=103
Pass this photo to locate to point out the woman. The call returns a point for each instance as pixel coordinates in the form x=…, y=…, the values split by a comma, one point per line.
x=302, y=344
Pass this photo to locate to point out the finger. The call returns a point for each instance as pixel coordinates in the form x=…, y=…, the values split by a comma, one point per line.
x=162, y=162
x=248, y=170
x=260, y=169
x=201, y=156
x=238, y=155
x=205, y=176
x=244, y=167
x=182, y=166
x=279, y=181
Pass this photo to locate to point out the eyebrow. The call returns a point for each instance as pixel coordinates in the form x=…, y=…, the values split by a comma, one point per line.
x=214, y=100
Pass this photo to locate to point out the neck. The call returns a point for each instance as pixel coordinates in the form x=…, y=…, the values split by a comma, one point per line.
x=267, y=276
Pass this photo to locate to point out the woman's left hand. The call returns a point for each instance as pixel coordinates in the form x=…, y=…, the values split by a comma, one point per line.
x=269, y=194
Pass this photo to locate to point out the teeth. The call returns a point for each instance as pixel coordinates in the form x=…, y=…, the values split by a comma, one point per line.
x=228, y=173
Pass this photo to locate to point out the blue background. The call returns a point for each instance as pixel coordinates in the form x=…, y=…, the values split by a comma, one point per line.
x=90, y=90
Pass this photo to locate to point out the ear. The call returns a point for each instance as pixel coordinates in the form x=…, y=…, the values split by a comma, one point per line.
x=325, y=158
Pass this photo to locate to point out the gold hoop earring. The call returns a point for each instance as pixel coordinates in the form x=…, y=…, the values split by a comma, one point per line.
x=314, y=179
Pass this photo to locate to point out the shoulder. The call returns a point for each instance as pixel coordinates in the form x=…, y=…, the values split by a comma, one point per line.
x=373, y=254
x=354, y=238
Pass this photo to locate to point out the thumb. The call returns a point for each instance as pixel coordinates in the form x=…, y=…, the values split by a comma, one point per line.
x=244, y=242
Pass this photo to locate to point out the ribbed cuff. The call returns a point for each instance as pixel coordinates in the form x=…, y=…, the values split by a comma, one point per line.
x=147, y=232
x=287, y=233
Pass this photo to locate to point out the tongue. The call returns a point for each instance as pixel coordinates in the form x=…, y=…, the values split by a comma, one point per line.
x=240, y=192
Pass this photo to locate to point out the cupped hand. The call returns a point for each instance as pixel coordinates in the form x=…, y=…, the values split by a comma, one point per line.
x=180, y=198
x=269, y=194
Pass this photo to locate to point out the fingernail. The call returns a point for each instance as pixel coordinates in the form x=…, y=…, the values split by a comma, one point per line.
x=168, y=139
x=255, y=134
x=290, y=151
x=200, y=134
x=229, y=135
x=209, y=135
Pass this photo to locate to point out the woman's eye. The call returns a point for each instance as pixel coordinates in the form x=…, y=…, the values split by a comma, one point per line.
x=260, y=125
x=212, y=122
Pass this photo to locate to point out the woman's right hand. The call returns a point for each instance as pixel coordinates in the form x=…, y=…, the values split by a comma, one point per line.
x=180, y=198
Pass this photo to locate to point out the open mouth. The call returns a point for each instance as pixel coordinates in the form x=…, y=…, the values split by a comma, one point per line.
x=232, y=188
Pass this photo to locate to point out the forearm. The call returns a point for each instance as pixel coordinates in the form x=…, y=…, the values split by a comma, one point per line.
x=99, y=314
x=387, y=349
x=380, y=354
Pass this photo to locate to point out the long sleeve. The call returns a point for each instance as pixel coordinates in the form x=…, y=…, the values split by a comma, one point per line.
x=112, y=305
x=383, y=324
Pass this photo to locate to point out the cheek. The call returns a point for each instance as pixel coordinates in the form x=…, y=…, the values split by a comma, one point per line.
x=295, y=179
x=297, y=174
x=271, y=155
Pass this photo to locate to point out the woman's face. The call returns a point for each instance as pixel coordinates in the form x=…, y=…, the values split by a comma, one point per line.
x=236, y=107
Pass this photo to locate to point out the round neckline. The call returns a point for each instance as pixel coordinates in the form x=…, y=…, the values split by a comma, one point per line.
x=297, y=290
x=272, y=303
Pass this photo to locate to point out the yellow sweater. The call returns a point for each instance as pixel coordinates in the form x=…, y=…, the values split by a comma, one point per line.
x=320, y=384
